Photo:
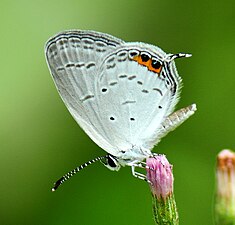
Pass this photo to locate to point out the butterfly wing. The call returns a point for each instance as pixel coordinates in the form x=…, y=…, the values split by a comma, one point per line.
x=118, y=99
x=135, y=98
x=73, y=58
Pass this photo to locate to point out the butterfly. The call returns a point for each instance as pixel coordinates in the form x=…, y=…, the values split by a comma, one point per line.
x=122, y=94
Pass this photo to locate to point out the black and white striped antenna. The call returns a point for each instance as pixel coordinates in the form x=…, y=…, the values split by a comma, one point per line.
x=73, y=172
x=178, y=55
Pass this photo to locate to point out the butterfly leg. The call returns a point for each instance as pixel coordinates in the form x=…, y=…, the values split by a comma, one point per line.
x=137, y=174
x=143, y=165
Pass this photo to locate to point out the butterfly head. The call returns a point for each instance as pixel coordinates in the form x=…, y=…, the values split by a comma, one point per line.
x=129, y=157
x=111, y=162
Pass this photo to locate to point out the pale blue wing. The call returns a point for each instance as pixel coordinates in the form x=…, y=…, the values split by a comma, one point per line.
x=117, y=101
x=136, y=99
x=73, y=58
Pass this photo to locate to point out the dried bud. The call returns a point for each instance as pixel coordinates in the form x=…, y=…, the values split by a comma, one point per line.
x=160, y=177
x=225, y=195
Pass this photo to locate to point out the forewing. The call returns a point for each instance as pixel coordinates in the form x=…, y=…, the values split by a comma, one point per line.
x=73, y=58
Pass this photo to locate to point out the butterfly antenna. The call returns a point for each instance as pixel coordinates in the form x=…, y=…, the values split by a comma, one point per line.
x=178, y=55
x=73, y=172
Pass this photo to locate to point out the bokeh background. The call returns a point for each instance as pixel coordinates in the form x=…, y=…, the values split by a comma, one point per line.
x=40, y=141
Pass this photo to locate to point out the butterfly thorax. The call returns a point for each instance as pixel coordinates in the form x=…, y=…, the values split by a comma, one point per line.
x=133, y=156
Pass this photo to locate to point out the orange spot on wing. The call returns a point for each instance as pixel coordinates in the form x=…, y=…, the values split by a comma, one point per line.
x=148, y=64
x=158, y=70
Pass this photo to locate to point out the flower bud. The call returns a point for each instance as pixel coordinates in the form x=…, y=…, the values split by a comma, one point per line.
x=160, y=177
x=225, y=194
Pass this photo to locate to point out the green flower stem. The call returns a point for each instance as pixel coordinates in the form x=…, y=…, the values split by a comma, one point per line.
x=224, y=212
x=165, y=211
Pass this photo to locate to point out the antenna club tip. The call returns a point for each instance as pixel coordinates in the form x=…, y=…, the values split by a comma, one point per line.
x=193, y=107
x=187, y=55
x=53, y=189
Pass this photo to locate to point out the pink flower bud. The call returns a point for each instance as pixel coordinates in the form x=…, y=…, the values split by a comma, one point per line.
x=225, y=195
x=159, y=173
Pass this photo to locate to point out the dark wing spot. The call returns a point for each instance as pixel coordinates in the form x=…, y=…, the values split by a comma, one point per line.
x=69, y=65
x=128, y=102
x=81, y=64
x=160, y=107
x=133, y=53
x=140, y=82
x=111, y=118
x=104, y=89
x=89, y=65
x=145, y=57
x=111, y=60
x=100, y=44
x=122, y=76
x=75, y=42
x=60, y=68
x=158, y=90
x=122, y=56
x=100, y=50
x=88, y=47
x=145, y=91
x=87, y=97
x=88, y=41
x=131, y=77
x=110, y=66
x=63, y=42
x=113, y=83
x=156, y=64
x=132, y=119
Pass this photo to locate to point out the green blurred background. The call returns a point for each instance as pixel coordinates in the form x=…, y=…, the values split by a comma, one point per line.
x=39, y=140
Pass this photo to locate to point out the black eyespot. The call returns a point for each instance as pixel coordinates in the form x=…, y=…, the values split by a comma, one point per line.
x=132, y=119
x=111, y=118
x=160, y=107
x=156, y=64
x=104, y=89
x=132, y=54
x=144, y=57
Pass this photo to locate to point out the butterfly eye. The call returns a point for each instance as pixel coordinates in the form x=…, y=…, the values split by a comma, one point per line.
x=111, y=162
